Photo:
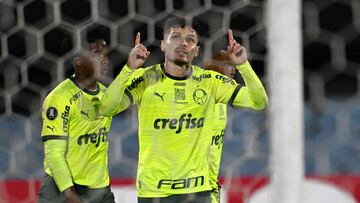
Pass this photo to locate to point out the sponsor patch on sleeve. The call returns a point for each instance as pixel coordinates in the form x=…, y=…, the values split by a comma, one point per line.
x=51, y=113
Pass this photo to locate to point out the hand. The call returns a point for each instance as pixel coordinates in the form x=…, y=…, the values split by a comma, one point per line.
x=237, y=53
x=71, y=196
x=138, y=54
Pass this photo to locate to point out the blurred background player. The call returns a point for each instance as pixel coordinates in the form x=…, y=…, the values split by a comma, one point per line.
x=74, y=136
x=219, y=62
x=176, y=101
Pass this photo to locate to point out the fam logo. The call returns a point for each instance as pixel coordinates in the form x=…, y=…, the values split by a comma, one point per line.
x=200, y=96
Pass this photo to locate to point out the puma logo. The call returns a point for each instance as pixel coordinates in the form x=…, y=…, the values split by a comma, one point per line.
x=51, y=128
x=85, y=113
x=161, y=96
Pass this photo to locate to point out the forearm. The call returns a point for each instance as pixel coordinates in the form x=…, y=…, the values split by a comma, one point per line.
x=253, y=95
x=55, y=156
x=111, y=103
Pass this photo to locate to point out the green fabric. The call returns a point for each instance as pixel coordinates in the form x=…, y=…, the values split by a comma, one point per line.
x=175, y=123
x=70, y=116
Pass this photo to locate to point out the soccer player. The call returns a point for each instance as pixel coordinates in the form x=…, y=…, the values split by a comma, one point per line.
x=75, y=136
x=175, y=110
x=220, y=63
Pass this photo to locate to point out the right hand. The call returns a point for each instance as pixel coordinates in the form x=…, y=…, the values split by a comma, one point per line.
x=138, y=54
x=71, y=196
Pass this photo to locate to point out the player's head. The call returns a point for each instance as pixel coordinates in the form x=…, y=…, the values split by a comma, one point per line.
x=180, y=42
x=220, y=62
x=92, y=61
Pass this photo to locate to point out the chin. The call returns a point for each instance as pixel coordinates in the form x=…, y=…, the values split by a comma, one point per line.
x=100, y=77
x=181, y=62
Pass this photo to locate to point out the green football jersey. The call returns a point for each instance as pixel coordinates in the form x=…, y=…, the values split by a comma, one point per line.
x=175, y=128
x=69, y=113
x=176, y=122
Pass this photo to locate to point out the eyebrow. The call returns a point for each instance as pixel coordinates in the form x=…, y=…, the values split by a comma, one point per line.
x=191, y=35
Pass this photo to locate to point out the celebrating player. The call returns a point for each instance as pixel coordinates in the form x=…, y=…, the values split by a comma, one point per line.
x=75, y=136
x=176, y=103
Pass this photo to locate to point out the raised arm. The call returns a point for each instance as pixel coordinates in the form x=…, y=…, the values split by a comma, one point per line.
x=114, y=100
x=253, y=94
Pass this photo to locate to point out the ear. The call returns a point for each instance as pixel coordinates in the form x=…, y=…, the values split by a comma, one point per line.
x=162, y=46
x=77, y=61
x=197, y=51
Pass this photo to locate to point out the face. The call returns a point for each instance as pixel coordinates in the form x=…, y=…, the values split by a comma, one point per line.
x=180, y=45
x=94, y=61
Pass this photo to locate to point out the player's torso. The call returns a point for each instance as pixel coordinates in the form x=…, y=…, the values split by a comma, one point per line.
x=174, y=132
x=84, y=128
x=87, y=133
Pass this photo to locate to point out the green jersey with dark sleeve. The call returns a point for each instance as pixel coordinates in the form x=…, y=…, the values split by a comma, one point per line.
x=175, y=123
x=70, y=115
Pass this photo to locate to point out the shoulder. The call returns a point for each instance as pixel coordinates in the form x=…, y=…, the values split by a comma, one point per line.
x=200, y=74
x=63, y=91
x=151, y=72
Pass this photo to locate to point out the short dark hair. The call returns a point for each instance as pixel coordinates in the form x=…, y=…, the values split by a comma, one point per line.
x=96, y=32
x=176, y=22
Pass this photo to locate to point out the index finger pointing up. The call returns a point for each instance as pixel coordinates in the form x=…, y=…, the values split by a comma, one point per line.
x=137, y=39
x=230, y=36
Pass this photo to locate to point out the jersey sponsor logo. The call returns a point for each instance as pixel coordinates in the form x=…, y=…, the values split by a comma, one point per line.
x=181, y=183
x=75, y=97
x=225, y=79
x=203, y=76
x=185, y=121
x=135, y=82
x=65, y=117
x=200, y=96
x=51, y=113
x=94, y=138
x=217, y=140
x=160, y=95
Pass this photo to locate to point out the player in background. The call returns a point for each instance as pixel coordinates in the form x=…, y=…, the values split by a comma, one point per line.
x=175, y=102
x=76, y=137
x=219, y=62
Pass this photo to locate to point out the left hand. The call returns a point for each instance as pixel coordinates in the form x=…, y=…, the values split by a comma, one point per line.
x=236, y=53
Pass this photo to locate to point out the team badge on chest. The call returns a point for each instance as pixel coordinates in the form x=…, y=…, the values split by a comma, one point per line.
x=200, y=96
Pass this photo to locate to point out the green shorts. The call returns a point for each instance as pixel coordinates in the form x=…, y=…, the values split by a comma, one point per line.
x=49, y=193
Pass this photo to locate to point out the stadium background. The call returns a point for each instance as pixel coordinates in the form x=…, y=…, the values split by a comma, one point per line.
x=33, y=60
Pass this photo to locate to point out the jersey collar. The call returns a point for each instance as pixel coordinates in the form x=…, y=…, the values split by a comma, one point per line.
x=175, y=77
x=72, y=78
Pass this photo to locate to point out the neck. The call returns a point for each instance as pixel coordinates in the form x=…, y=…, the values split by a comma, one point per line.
x=87, y=83
x=177, y=70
